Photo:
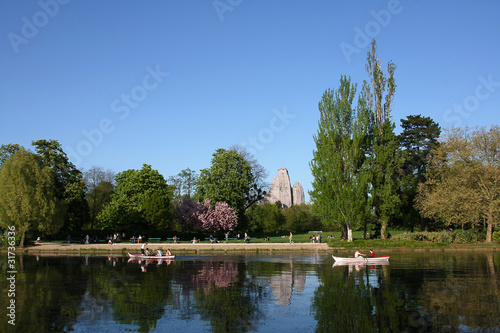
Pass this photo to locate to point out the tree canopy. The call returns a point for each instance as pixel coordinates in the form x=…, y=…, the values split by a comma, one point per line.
x=68, y=182
x=228, y=180
x=141, y=201
x=463, y=182
x=340, y=166
x=419, y=137
x=27, y=198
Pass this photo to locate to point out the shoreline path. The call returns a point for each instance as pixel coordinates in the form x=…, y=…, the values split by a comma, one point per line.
x=178, y=247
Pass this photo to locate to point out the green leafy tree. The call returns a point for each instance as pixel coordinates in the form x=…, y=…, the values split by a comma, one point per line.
x=265, y=218
x=419, y=137
x=184, y=184
x=340, y=165
x=463, y=182
x=134, y=189
x=228, y=180
x=68, y=182
x=386, y=153
x=300, y=218
x=157, y=210
x=27, y=198
x=386, y=168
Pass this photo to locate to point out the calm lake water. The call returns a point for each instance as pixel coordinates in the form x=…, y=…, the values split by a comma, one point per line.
x=416, y=292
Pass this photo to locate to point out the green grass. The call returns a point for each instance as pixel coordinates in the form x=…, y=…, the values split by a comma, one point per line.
x=358, y=242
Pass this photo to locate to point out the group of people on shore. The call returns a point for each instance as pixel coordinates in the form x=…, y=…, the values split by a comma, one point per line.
x=112, y=239
x=315, y=239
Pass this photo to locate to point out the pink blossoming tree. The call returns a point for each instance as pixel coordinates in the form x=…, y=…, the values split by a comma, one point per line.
x=197, y=216
x=220, y=217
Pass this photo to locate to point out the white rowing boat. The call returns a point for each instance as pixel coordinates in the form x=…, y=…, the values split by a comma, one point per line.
x=361, y=260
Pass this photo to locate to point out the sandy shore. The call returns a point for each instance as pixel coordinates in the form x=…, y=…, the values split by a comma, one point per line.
x=176, y=248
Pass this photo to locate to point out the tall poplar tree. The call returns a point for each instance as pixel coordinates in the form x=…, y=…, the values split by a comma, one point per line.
x=340, y=165
x=386, y=153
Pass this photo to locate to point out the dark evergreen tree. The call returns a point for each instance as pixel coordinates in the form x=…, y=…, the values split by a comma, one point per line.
x=419, y=137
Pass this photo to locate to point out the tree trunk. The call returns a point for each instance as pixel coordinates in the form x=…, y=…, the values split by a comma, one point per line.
x=489, y=232
x=349, y=233
x=383, y=230
x=21, y=242
x=422, y=222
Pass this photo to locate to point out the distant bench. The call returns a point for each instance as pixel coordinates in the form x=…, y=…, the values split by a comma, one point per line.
x=151, y=239
x=214, y=239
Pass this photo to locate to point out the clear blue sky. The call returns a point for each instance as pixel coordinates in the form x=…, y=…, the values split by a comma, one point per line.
x=120, y=83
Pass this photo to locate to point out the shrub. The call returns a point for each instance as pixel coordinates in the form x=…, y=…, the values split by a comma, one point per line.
x=463, y=237
x=441, y=237
x=403, y=237
x=496, y=236
x=481, y=237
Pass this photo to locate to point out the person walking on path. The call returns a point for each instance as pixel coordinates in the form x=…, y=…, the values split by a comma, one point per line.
x=291, y=238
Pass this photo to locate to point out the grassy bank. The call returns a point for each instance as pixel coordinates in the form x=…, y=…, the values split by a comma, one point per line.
x=262, y=244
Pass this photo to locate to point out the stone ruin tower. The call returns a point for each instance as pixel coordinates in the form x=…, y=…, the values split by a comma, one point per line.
x=281, y=190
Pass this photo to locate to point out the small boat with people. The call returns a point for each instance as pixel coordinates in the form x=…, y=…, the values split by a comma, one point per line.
x=361, y=260
x=361, y=264
x=140, y=256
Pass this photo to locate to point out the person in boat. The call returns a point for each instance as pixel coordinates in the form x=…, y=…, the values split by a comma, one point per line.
x=159, y=253
x=168, y=252
x=372, y=254
x=358, y=254
x=143, y=248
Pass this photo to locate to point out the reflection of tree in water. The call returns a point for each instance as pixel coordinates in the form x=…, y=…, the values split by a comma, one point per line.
x=460, y=304
x=142, y=302
x=53, y=308
x=220, y=274
x=136, y=298
x=222, y=294
x=350, y=300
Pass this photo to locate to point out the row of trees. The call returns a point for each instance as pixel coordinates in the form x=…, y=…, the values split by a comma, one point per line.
x=42, y=191
x=364, y=172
